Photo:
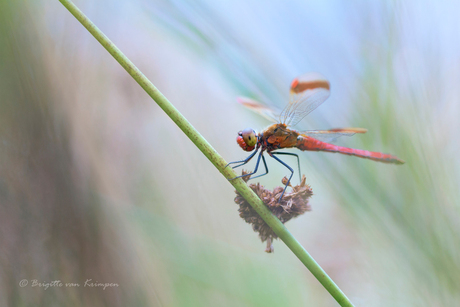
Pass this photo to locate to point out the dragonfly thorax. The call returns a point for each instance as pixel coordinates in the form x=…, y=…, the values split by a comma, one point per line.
x=247, y=139
x=278, y=136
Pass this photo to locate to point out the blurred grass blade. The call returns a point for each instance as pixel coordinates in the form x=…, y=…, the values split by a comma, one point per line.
x=212, y=155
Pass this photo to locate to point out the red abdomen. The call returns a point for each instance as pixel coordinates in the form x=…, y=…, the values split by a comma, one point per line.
x=309, y=143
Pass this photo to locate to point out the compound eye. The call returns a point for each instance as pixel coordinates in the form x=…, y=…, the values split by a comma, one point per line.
x=249, y=137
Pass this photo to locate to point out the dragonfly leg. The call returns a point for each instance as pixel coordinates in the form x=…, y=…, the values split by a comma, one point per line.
x=257, y=167
x=291, y=154
x=266, y=169
x=243, y=162
x=292, y=172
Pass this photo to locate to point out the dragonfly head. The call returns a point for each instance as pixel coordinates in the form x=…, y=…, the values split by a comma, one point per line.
x=247, y=139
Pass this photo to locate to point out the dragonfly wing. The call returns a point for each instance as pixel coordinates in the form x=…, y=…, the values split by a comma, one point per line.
x=268, y=112
x=307, y=93
x=332, y=134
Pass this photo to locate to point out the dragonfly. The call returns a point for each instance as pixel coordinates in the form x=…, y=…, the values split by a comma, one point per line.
x=307, y=92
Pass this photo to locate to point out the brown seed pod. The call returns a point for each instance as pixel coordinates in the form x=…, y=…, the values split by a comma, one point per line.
x=292, y=205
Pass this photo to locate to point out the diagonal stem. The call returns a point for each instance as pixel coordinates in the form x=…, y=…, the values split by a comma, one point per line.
x=212, y=155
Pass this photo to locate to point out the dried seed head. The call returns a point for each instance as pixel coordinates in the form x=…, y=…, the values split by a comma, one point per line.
x=293, y=204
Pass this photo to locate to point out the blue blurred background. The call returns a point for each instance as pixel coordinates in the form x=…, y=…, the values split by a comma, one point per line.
x=96, y=182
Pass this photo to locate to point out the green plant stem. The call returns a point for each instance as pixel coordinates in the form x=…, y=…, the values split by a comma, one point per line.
x=213, y=156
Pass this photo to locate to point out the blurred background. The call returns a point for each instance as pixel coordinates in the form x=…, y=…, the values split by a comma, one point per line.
x=97, y=183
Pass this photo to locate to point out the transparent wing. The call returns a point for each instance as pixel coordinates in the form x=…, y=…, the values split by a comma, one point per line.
x=332, y=134
x=270, y=113
x=307, y=93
